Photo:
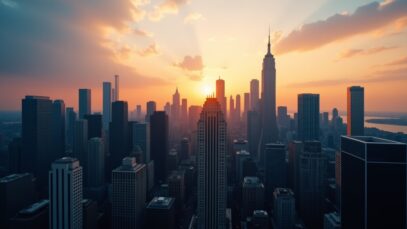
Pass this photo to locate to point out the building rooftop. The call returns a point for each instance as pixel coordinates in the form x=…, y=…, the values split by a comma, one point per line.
x=34, y=208
x=282, y=192
x=161, y=203
x=243, y=153
x=260, y=213
x=36, y=97
x=252, y=182
x=372, y=140
x=333, y=217
x=13, y=177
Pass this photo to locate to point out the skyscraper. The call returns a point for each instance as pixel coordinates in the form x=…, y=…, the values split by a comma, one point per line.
x=116, y=88
x=252, y=196
x=160, y=213
x=95, y=170
x=65, y=194
x=268, y=99
x=80, y=140
x=253, y=132
x=220, y=95
x=16, y=192
x=95, y=125
x=141, y=138
x=175, y=109
x=85, y=102
x=128, y=194
x=151, y=107
x=373, y=183
x=275, y=174
x=237, y=109
x=211, y=161
x=70, y=127
x=36, y=134
x=356, y=111
x=58, y=126
x=312, y=184
x=107, y=104
x=308, y=117
x=284, y=208
x=159, y=144
x=254, y=95
x=118, y=133
x=232, y=114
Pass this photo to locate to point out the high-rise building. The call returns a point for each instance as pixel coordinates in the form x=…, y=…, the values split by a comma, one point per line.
x=176, y=188
x=259, y=220
x=220, y=95
x=138, y=113
x=107, y=104
x=373, y=183
x=85, y=102
x=70, y=127
x=184, y=113
x=232, y=114
x=80, y=141
x=253, y=132
x=193, y=117
x=160, y=213
x=176, y=105
x=37, y=155
x=254, y=95
x=159, y=144
x=211, y=161
x=58, y=126
x=65, y=194
x=252, y=196
x=95, y=125
x=246, y=106
x=118, y=133
x=237, y=110
x=167, y=108
x=308, y=117
x=151, y=107
x=275, y=169
x=141, y=138
x=128, y=194
x=284, y=208
x=312, y=184
x=184, y=152
x=240, y=157
x=332, y=221
x=95, y=170
x=34, y=216
x=268, y=100
x=295, y=148
x=16, y=192
x=116, y=88
x=356, y=111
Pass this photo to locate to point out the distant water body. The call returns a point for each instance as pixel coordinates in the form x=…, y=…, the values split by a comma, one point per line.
x=385, y=127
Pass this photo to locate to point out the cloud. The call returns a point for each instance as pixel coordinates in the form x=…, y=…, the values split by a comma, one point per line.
x=151, y=50
x=192, y=67
x=166, y=7
x=73, y=46
x=192, y=17
x=366, y=18
x=400, y=61
x=355, y=52
x=399, y=74
x=142, y=33
x=191, y=63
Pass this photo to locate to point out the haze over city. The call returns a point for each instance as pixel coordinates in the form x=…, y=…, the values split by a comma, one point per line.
x=159, y=45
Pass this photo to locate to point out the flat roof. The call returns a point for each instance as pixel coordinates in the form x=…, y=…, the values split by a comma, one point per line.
x=161, y=202
x=13, y=177
x=371, y=140
x=34, y=208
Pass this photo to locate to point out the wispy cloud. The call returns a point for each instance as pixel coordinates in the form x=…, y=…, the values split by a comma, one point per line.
x=400, y=61
x=363, y=52
x=193, y=17
x=142, y=33
x=192, y=66
x=151, y=50
x=399, y=74
x=367, y=18
x=166, y=7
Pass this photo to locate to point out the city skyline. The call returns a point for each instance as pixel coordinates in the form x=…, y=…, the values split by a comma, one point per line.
x=370, y=54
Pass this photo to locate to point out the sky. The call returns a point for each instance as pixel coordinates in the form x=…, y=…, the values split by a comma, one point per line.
x=54, y=47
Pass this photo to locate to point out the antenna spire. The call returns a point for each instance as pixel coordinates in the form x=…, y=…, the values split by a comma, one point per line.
x=268, y=45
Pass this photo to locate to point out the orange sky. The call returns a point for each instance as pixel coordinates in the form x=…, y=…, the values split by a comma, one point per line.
x=320, y=47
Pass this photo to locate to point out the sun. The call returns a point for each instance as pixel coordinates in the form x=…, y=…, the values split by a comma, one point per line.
x=206, y=89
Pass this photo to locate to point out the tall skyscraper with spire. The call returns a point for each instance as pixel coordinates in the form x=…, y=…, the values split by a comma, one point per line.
x=211, y=166
x=268, y=99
